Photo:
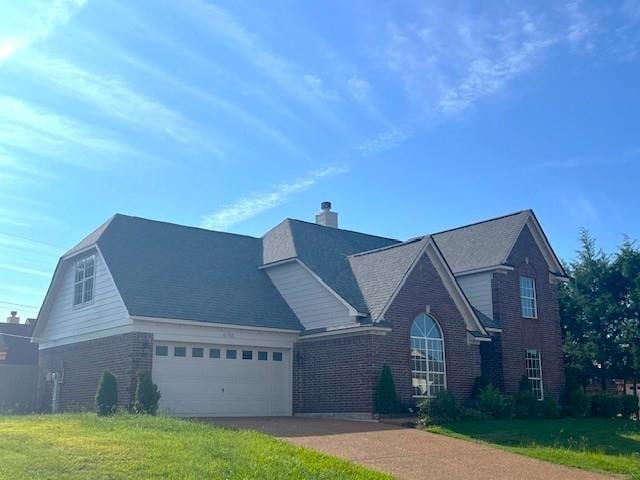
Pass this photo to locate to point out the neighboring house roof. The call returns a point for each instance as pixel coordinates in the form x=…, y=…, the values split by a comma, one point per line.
x=166, y=270
x=483, y=244
x=379, y=272
x=324, y=250
x=15, y=341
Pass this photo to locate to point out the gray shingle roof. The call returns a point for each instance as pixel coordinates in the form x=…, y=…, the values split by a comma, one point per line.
x=324, y=250
x=378, y=273
x=172, y=271
x=483, y=244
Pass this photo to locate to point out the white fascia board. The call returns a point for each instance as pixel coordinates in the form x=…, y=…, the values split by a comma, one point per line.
x=493, y=330
x=499, y=268
x=177, y=321
x=79, y=252
x=471, y=340
x=555, y=278
x=350, y=331
x=353, y=312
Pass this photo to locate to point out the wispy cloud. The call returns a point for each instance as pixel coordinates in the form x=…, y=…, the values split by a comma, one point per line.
x=589, y=162
x=113, y=97
x=25, y=270
x=25, y=128
x=257, y=203
x=384, y=141
x=27, y=21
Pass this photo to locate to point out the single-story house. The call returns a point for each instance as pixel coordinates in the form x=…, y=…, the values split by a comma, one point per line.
x=303, y=319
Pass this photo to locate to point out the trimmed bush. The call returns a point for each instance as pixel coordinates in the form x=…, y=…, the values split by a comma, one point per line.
x=107, y=394
x=494, y=403
x=386, y=398
x=480, y=383
x=630, y=405
x=605, y=405
x=443, y=408
x=578, y=403
x=525, y=402
x=147, y=395
x=550, y=407
x=473, y=414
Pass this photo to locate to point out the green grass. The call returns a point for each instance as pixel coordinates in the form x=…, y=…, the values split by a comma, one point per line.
x=85, y=446
x=592, y=444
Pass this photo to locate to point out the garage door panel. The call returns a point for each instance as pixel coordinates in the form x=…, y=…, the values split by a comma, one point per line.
x=220, y=386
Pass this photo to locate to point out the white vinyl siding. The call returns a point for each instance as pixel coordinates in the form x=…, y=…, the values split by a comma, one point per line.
x=528, y=297
x=314, y=305
x=100, y=318
x=477, y=288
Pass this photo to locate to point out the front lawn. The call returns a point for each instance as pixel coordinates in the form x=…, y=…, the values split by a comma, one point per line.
x=593, y=444
x=85, y=446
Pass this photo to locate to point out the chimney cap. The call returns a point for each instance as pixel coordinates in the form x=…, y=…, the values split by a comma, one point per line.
x=14, y=313
x=325, y=205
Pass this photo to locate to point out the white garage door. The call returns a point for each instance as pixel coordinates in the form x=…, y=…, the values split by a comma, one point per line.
x=221, y=380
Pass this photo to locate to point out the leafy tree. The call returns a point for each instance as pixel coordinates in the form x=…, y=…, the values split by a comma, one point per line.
x=147, y=395
x=107, y=394
x=386, y=398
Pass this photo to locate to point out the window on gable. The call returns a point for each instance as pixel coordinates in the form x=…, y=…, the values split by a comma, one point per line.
x=533, y=366
x=84, y=280
x=528, y=297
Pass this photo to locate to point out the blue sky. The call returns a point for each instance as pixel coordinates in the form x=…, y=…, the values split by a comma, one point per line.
x=411, y=117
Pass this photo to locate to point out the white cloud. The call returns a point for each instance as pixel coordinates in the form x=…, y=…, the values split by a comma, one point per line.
x=113, y=97
x=384, y=141
x=25, y=270
x=318, y=87
x=257, y=203
x=27, y=21
x=42, y=134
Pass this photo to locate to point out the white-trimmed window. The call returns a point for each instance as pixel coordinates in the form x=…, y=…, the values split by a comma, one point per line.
x=427, y=357
x=84, y=280
x=528, y=297
x=533, y=366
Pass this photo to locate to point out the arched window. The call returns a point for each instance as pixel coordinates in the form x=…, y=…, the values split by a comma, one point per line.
x=427, y=357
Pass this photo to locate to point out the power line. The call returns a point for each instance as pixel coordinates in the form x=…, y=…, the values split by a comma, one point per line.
x=18, y=304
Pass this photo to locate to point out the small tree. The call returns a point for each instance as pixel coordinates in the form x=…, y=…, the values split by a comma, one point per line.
x=386, y=398
x=147, y=394
x=107, y=394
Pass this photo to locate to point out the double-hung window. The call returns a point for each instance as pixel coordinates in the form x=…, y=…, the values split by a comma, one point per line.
x=528, y=297
x=84, y=280
x=533, y=366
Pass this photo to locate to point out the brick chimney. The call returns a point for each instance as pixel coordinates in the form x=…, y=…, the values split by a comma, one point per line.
x=13, y=318
x=326, y=217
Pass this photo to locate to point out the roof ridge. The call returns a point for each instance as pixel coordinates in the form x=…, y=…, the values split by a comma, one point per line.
x=388, y=247
x=513, y=214
x=341, y=229
x=208, y=230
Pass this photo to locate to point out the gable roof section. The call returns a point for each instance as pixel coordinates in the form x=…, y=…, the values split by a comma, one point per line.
x=488, y=243
x=382, y=273
x=324, y=250
x=483, y=244
x=379, y=273
x=164, y=270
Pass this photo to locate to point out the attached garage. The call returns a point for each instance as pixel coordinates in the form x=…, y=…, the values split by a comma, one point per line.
x=197, y=379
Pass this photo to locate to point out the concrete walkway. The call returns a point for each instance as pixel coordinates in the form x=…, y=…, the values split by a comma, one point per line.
x=407, y=453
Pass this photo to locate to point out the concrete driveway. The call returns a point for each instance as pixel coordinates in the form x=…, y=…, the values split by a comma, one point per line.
x=404, y=452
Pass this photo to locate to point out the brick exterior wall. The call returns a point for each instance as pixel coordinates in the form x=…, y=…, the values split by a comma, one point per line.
x=124, y=355
x=518, y=333
x=341, y=374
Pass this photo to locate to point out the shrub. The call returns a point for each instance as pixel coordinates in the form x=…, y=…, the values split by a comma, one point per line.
x=494, y=403
x=577, y=403
x=480, y=383
x=629, y=405
x=107, y=394
x=526, y=404
x=473, y=414
x=605, y=405
x=550, y=408
x=386, y=398
x=443, y=408
x=147, y=395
